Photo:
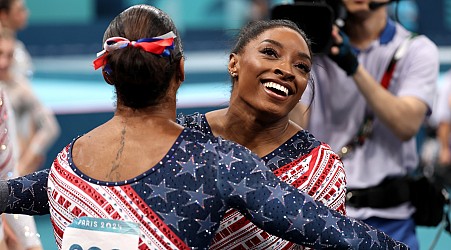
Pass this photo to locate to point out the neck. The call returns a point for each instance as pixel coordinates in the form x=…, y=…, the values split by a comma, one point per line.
x=364, y=28
x=247, y=129
x=163, y=111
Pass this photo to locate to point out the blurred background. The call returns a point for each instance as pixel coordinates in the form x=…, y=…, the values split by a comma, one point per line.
x=63, y=38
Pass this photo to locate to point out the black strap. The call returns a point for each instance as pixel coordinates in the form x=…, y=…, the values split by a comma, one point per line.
x=390, y=192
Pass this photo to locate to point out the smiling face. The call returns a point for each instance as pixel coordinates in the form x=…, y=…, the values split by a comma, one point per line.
x=272, y=70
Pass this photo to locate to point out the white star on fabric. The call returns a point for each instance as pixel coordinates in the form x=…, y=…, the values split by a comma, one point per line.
x=354, y=241
x=189, y=167
x=240, y=188
x=298, y=222
x=198, y=196
x=277, y=193
x=15, y=199
x=297, y=142
x=259, y=167
x=330, y=220
x=275, y=160
x=374, y=238
x=159, y=190
x=171, y=218
x=209, y=147
x=205, y=225
x=182, y=146
x=228, y=159
x=30, y=209
x=27, y=184
x=258, y=216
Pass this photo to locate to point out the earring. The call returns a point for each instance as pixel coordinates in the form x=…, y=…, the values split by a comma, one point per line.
x=233, y=74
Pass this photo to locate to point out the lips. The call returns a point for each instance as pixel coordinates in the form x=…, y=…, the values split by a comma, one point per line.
x=276, y=88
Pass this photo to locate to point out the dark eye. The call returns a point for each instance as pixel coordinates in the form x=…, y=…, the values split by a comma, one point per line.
x=269, y=52
x=304, y=67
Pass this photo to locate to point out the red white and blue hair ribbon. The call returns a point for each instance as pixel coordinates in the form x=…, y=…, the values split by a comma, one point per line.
x=159, y=45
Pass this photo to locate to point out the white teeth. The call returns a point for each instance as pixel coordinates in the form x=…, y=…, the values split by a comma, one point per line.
x=276, y=86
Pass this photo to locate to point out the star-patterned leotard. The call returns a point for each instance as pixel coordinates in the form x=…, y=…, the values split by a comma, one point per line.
x=180, y=201
x=305, y=163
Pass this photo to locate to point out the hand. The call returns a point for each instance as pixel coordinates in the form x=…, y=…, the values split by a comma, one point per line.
x=341, y=52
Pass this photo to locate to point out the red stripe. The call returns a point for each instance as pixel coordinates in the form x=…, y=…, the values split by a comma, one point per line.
x=388, y=75
x=152, y=216
x=81, y=185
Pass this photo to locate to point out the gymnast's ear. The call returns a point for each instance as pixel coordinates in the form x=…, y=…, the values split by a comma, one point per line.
x=233, y=62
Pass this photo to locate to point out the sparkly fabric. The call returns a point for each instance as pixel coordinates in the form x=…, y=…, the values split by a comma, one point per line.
x=303, y=162
x=180, y=201
x=28, y=194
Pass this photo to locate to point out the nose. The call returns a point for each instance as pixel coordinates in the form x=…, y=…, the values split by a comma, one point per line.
x=284, y=70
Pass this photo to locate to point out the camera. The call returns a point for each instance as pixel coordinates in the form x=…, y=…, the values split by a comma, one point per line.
x=314, y=17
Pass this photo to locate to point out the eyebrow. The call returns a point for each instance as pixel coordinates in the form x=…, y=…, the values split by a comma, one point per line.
x=276, y=43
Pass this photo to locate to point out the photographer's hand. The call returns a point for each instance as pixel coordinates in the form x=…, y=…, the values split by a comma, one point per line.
x=341, y=52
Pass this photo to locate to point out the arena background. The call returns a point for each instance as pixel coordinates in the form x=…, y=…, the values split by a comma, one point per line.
x=64, y=36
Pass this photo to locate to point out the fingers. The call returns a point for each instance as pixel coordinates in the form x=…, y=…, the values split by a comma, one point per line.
x=337, y=40
x=334, y=50
x=336, y=35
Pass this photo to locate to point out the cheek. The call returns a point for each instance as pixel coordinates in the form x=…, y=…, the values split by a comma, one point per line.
x=302, y=85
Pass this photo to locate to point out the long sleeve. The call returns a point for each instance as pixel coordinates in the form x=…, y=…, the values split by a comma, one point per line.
x=25, y=195
x=283, y=211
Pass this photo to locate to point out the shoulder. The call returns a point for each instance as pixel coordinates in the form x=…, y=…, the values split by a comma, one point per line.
x=419, y=43
x=421, y=55
x=423, y=43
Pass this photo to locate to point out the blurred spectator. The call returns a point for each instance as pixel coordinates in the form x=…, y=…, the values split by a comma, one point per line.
x=370, y=112
x=260, y=10
x=37, y=127
x=440, y=158
x=443, y=119
x=20, y=232
x=14, y=16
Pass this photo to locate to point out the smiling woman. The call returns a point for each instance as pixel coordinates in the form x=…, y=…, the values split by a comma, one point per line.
x=270, y=69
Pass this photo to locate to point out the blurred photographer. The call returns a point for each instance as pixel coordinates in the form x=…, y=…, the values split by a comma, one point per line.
x=369, y=104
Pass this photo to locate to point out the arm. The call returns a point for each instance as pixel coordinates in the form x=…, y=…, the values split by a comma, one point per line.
x=280, y=209
x=44, y=133
x=443, y=133
x=25, y=195
x=47, y=131
x=403, y=113
x=442, y=113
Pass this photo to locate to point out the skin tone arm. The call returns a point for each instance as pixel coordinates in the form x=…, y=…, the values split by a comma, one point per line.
x=45, y=134
x=44, y=129
x=403, y=115
x=443, y=133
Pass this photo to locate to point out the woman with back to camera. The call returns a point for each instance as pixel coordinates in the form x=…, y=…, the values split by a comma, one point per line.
x=152, y=170
x=270, y=67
